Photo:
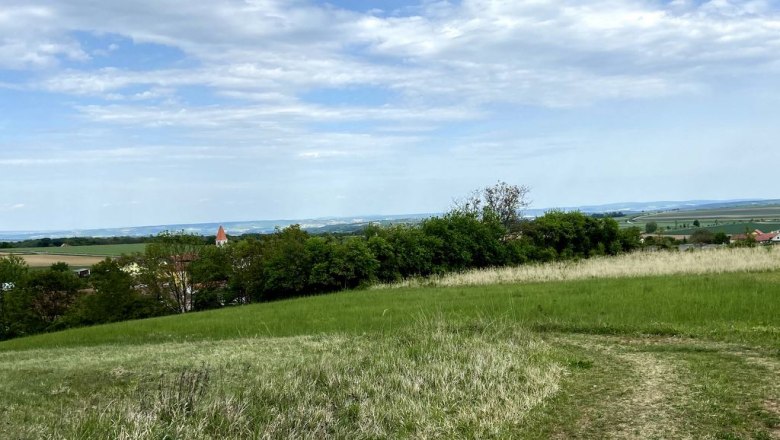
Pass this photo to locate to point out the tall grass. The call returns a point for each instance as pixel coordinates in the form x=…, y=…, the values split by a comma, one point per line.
x=637, y=264
x=734, y=306
x=434, y=380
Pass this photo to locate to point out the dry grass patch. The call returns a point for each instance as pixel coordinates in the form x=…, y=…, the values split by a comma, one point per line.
x=637, y=264
x=438, y=380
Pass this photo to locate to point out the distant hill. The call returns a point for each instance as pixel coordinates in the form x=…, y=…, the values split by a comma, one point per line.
x=318, y=225
x=685, y=205
x=351, y=224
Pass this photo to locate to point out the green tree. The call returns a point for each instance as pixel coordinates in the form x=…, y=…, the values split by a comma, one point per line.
x=39, y=302
x=285, y=263
x=651, y=227
x=353, y=263
x=630, y=238
x=696, y=223
x=564, y=235
x=210, y=275
x=702, y=236
x=721, y=238
x=506, y=202
x=245, y=281
x=166, y=267
x=13, y=270
x=114, y=297
x=60, y=267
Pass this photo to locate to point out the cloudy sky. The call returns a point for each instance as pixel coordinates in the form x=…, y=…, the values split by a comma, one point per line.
x=124, y=113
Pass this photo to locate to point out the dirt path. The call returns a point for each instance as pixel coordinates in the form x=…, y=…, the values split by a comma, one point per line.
x=646, y=411
x=658, y=388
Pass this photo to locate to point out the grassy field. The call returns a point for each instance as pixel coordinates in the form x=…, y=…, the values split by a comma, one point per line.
x=686, y=356
x=74, y=256
x=769, y=212
x=636, y=264
x=103, y=250
x=728, y=220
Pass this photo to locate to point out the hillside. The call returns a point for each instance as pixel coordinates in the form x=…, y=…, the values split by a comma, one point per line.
x=589, y=358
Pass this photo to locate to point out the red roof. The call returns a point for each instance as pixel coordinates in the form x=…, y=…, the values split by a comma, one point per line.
x=221, y=236
x=765, y=237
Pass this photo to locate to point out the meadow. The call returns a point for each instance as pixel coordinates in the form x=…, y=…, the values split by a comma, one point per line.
x=733, y=213
x=635, y=264
x=682, y=356
x=103, y=250
x=729, y=220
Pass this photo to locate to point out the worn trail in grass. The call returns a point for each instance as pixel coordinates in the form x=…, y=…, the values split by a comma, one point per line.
x=664, y=357
x=477, y=379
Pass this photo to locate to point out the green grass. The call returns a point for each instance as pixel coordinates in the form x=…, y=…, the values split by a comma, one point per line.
x=663, y=357
x=103, y=250
x=768, y=212
x=730, y=307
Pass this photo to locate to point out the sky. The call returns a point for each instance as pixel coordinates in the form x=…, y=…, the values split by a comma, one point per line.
x=157, y=112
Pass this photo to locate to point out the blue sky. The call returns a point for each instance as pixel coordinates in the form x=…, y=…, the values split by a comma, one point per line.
x=152, y=111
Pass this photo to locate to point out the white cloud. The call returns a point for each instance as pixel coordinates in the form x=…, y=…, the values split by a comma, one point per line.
x=479, y=52
x=11, y=207
x=299, y=92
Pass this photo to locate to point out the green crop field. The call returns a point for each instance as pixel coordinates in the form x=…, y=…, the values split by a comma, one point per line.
x=731, y=228
x=655, y=357
x=103, y=250
x=769, y=212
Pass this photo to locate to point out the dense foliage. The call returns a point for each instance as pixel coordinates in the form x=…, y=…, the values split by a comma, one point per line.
x=178, y=273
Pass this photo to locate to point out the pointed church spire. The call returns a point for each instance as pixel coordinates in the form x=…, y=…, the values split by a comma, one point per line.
x=221, y=237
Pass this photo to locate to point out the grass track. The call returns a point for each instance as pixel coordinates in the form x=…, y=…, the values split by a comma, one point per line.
x=656, y=357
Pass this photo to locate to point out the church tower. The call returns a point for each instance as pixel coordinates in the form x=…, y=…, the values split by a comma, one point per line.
x=221, y=237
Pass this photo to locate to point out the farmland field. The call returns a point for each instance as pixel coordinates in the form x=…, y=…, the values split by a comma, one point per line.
x=732, y=220
x=103, y=250
x=46, y=260
x=771, y=212
x=683, y=356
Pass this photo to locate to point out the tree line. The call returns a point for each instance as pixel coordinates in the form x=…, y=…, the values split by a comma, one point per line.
x=71, y=241
x=178, y=273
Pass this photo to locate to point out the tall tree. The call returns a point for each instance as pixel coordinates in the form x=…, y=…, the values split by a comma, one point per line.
x=13, y=270
x=167, y=267
x=506, y=202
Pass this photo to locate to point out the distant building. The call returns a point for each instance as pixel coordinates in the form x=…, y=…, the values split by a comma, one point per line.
x=765, y=238
x=221, y=237
x=82, y=273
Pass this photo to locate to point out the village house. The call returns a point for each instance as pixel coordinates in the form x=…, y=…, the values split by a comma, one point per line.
x=765, y=238
x=759, y=236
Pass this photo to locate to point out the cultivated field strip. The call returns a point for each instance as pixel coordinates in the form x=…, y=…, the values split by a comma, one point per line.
x=637, y=264
x=46, y=260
